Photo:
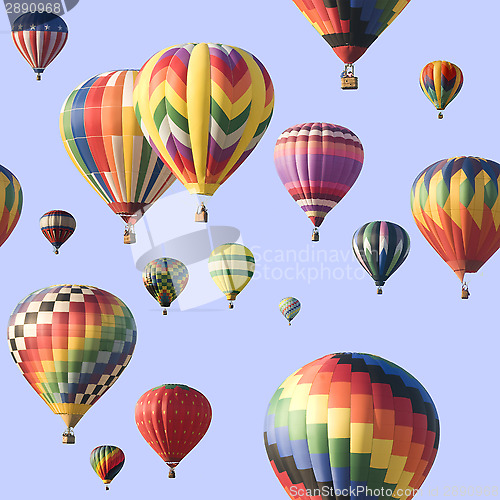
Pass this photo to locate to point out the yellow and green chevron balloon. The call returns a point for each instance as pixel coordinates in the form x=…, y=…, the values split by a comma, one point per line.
x=165, y=279
x=11, y=202
x=231, y=266
x=203, y=108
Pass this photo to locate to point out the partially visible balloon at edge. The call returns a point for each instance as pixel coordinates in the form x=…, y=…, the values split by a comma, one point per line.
x=11, y=203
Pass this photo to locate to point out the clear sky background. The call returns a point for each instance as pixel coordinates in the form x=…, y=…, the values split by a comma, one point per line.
x=238, y=358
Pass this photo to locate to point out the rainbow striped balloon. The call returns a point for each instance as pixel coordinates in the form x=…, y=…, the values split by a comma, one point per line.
x=289, y=307
x=165, y=279
x=351, y=425
x=103, y=139
x=203, y=107
x=318, y=163
x=231, y=266
x=107, y=461
x=11, y=203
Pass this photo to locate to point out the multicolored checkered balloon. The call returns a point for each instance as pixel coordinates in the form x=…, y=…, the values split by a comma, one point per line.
x=165, y=279
x=107, y=461
x=353, y=426
x=71, y=343
x=289, y=307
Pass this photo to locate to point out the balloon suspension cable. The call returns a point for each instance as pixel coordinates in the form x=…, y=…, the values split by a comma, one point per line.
x=440, y=115
x=379, y=290
x=164, y=311
x=465, y=291
x=171, y=473
x=315, y=234
x=231, y=305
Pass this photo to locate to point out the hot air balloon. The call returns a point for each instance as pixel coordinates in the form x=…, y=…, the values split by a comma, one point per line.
x=351, y=425
x=203, y=108
x=350, y=26
x=380, y=247
x=318, y=163
x=71, y=343
x=57, y=226
x=165, y=279
x=39, y=37
x=104, y=141
x=107, y=461
x=11, y=203
x=441, y=82
x=231, y=266
x=173, y=418
x=456, y=206
x=289, y=307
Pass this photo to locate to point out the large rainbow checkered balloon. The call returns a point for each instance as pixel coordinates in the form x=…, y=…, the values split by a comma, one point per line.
x=71, y=343
x=203, y=108
x=351, y=425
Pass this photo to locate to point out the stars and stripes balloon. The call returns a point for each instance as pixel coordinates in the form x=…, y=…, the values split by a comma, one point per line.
x=71, y=343
x=289, y=307
x=231, y=267
x=57, y=226
x=11, y=203
x=203, y=107
x=165, y=279
x=351, y=425
x=107, y=461
x=103, y=139
x=441, y=82
x=381, y=247
x=456, y=207
x=173, y=418
x=39, y=37
x=318, y=163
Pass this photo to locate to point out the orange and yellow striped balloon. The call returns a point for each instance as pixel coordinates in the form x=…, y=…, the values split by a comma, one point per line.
x=11, y=203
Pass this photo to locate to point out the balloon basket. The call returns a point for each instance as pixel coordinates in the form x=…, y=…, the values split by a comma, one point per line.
x=440, y=116
x=202, y=214
x=56, y=251
x=171, y=474
x=349, y=83
x=107, y=488
x=379, y=291
x=68, y=437
x=315, y=235
x=465, y=293
x=231, y=305
x=164, y=312
x=38, y=77
x=129, y=238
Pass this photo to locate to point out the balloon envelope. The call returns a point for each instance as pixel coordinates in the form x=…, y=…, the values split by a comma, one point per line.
x=165, y=279
x=71, y=343
x=173, y=418
x=39, y=37
x=441, y=82
x=351, y=425
x=289, y=307
x=318, y=163
x=350, y=26
x=204, y=108
x=103, y=139
x=456, y=207
x=107, y=461
x=381, y=247
x=231, y=267
x=11, y=203
x=57, y=226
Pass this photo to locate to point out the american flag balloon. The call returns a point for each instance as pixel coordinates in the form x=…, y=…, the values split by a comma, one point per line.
x=39, y=37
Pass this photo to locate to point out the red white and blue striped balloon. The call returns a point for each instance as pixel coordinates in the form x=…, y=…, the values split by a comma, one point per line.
x=39, y=37
x=318, y=163
x=289, y=307
x=57, y=226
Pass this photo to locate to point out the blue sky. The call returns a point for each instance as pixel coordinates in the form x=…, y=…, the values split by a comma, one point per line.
x=238, y=358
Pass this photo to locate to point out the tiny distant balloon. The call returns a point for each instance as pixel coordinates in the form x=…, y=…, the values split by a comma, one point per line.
x=39, y=37
x=173, y=418
x=165, y=279
x=289, y=307
x=231, y=267
x=381, y=247
x=11, y=203
x=441, y=82
x=107, y=461
x=57, y=226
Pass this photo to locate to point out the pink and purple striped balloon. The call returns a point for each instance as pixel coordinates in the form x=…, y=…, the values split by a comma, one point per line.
x=318, y=163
